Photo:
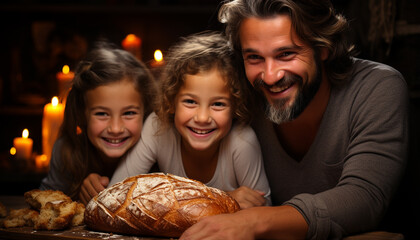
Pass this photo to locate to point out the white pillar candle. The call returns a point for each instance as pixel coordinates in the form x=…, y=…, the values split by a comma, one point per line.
x=132, y=44
x=41, y=162
x=23, y=145
x=51, y=123
x=64, y=78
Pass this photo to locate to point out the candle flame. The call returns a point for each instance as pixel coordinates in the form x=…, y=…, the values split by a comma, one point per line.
x=43, y=158
x=158, y=55
x=54, y=101
x=25, y=133
x=130, y=41
x=131, y=37
x=65, y=69
x=41, y=161
x=13, y=151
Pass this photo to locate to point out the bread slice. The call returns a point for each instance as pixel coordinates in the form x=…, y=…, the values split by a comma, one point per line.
x=56, y=215
x=50, y=210
x=79, y=215
x=38, y=198
x=21, y=218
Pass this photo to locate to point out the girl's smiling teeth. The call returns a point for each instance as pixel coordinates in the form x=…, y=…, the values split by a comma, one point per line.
x=201, y=131
x=115, y=141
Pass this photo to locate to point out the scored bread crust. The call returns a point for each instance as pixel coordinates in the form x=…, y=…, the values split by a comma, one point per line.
x=155, y=204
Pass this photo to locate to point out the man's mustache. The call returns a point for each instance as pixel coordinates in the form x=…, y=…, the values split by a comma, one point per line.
x=287, y=80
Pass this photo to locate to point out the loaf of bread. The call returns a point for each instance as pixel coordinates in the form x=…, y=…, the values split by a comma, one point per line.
x=155, y=204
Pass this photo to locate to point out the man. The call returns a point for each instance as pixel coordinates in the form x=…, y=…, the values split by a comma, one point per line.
x=334, y=132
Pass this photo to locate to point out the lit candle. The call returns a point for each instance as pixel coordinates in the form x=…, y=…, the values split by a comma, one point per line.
x=23, y=146
x=51, y=122
x=64, y=79
x=41, y=161
x=132, y=43
x=158, y=59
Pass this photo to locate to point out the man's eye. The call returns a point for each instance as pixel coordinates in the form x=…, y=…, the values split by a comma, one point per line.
x=252, y=57
x=286, y=55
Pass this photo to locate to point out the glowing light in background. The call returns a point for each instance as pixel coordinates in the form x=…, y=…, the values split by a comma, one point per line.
x=65, y=69
x=54, y=101
x=25, y=133
x=158, y=55
x=13, y=151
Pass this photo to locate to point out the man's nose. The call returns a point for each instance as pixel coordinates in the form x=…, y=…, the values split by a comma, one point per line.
x=272, y=73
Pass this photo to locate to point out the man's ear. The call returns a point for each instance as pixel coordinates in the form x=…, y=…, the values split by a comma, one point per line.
x=324, y=53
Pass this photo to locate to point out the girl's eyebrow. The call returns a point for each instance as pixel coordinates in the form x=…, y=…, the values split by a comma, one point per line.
x=187, y=94
x=98, y=108
x=106, y=108
x=132, y=106
x=212, y=99
x=220, y=98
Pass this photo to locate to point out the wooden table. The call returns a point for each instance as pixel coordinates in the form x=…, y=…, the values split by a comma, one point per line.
x=80, y=232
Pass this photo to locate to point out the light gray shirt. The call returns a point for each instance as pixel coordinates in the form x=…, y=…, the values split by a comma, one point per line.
x=239, y=161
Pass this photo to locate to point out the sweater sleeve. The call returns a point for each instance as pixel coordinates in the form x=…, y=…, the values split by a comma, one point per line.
x=56, y=178
x=248, y=162
x=373, y=165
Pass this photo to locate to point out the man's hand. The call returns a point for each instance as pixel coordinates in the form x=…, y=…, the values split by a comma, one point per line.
x=91, y=186
x=247, y=197
x=222, y=226
x=281, y=222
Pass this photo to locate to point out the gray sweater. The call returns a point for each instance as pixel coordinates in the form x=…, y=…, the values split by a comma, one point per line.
x=344, y=183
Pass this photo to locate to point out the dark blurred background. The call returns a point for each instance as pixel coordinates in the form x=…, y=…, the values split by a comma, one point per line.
x=39, y=37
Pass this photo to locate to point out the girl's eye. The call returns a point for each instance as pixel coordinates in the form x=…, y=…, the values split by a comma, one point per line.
x=188, y=101
x=130, y=113
x=219, y=105
x=100, y=114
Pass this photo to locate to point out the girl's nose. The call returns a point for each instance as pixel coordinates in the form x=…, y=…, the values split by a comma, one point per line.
x=202, y=116
x=116, y=126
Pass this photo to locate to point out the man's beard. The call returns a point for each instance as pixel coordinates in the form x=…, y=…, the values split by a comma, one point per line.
x=277, y=111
